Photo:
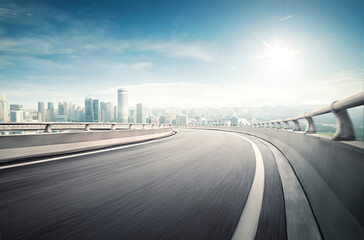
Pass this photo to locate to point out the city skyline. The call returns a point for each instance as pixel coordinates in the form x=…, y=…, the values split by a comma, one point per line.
x=233, y=53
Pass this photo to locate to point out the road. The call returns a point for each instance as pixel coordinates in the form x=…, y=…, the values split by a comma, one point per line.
x=194, y=185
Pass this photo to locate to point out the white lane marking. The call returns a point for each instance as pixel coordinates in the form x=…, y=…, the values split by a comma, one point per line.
x=86, y=153
x=301, y=223
x=248, y=223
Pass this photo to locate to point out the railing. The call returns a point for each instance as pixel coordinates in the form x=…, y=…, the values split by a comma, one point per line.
x=344, y=130
x=74, y=126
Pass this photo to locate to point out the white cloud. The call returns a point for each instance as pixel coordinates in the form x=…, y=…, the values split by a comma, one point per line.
x=6, y=13
x=133, y=66
x=286, y=18
x=84, y=45
x=187, y=94
x=177, y=49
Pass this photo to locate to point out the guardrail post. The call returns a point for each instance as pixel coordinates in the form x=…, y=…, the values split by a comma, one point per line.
x=310, y=128
x=113, y=127
x=344, y=130
x=273, y=124
x=130, y=125
x=297, y=126
x=143, y=126
x=278, y=125
x=87, y=127
x=48, y=128
x=267, y=125
x=286, y=125
x=152, y=125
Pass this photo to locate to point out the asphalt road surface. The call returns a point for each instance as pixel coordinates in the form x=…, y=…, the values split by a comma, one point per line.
x=194, y=185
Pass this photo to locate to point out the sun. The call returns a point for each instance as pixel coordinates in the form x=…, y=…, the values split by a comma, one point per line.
x=279, y=55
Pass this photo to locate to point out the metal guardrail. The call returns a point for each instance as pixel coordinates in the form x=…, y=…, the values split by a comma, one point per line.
x=344, y=130
x=71, y=126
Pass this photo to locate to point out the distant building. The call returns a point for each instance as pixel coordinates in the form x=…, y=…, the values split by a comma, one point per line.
x=50, y=112
x=79, y=115
x=123, y=111
x=73, y=113
x=42, y=117
x=68, y=110
x=61, y=108
x=115, y=114
x=89, y=113
x=103, y=111
x=4, y=110
x=60, y=118
x=96, y=110
x=140, y=113
x=131, y=118
x=181, y=120
x=152, y=120
x=162, y=119
x=16, y=113
x=235, y=121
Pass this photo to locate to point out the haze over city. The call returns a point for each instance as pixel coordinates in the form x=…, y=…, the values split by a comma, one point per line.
x=182, y=53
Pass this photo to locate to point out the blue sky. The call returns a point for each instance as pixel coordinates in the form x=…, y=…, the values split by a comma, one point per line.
x=182, y=53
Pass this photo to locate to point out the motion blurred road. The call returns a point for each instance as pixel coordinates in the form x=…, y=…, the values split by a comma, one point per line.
x=193, y=185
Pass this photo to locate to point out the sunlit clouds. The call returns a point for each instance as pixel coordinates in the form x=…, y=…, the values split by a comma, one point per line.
x=180, y=53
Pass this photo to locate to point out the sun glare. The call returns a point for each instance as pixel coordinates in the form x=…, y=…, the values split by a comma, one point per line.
x=279, y=55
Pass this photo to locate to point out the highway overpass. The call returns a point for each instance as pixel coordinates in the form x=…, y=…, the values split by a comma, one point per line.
x=202, y=183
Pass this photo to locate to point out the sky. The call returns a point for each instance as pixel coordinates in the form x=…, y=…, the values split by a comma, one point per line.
x=182, y=53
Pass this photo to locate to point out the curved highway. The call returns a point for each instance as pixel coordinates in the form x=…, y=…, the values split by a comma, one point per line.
x=195, y=185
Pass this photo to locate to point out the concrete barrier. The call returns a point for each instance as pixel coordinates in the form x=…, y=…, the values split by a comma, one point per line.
x=16, y=147
x=331, y=174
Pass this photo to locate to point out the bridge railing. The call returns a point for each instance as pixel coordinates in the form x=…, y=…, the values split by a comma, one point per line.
x=49, y=127
x=344, y=130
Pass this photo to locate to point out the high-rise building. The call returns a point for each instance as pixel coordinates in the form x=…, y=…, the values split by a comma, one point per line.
x=140, y=113
x=181, y=120
x=73, y=113
x=42, y=112
x=162, y=119
x=89, y=113
x=96, y=109
x=103, y=111
x=123, y=111
x=109, y=112
x=115, y=113
x=79, y=115
x=61, y=108
x=131, y=118
x=4, y=110
x=68, y=110
x=16, y=113
x=50, y=112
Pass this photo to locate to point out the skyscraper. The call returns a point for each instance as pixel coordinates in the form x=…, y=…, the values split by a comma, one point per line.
x=4, y=111
x=140, y=113
x=123, y=111
x=50, y=112
x=103, y=111
x=61, y=108
x=108, y=112
x=16, y=113
x=42, y=112
x=96, y=109
x=68, y=110
x=115, y=114
x=89, y=113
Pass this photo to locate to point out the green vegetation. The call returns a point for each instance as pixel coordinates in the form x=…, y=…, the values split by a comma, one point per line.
x=326, y=133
